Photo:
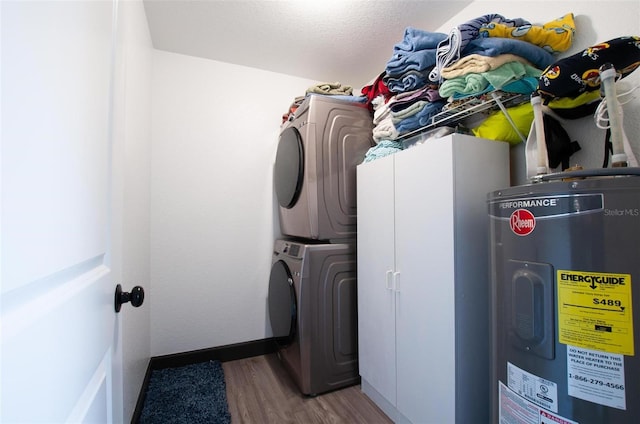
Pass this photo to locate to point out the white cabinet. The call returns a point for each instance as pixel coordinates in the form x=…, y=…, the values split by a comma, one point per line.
x=423, y=291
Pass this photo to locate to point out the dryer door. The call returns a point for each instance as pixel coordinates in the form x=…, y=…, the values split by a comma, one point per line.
x=282, y=304
x=289, y=167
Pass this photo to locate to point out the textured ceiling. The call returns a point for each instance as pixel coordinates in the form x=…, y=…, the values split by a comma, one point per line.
x=324, y=40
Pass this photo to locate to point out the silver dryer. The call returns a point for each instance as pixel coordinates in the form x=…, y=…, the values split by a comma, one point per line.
x=315, y=167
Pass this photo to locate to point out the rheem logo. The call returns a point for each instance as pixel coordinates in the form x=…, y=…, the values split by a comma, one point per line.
x=522, y=222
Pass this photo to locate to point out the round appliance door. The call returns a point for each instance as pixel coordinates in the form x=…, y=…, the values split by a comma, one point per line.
x=289, y=167
x=282, y=304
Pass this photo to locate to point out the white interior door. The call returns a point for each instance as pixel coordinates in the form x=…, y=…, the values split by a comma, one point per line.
x=58, y=325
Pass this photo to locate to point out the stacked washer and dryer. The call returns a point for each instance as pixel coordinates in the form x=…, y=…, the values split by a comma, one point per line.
x=312, y=285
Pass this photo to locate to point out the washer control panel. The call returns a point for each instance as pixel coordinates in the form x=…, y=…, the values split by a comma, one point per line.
x=288, y=248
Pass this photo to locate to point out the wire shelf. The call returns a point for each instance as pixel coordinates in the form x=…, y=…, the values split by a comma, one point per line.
x=464, y=109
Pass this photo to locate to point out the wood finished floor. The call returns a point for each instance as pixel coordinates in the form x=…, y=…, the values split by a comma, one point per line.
x=260, y=391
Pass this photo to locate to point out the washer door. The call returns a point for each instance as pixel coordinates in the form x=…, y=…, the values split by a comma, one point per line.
x=282, y=304
x=289, y=167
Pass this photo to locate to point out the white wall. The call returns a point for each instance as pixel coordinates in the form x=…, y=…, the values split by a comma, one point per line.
x=132, y=158
x=215, y=131
x=596, y=21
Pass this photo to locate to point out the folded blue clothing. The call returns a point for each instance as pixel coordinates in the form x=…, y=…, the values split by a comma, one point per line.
x=417, y=51
x=408, y=81
x=420, y=60
x=494, y=46
x=417, y=39
x=420, y=119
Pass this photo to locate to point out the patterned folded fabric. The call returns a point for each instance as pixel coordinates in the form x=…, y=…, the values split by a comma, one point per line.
x=470, y=30
x=574, y=75
x=555, y=36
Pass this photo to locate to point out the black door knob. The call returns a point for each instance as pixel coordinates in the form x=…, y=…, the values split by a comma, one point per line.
x=136, y=297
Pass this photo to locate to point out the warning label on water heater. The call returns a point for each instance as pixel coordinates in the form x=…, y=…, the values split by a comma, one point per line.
x=514, y=409
x=595, y=311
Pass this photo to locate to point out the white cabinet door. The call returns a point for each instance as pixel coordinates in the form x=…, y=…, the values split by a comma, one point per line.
x=376, y=296
x=425, y=307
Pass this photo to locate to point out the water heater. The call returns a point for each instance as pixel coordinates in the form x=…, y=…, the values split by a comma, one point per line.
x=565, y=269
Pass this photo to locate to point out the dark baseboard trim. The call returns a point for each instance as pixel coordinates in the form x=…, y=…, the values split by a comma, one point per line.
x=222, y=353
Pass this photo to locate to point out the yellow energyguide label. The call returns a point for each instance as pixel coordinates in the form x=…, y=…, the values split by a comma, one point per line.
x=595, y=311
